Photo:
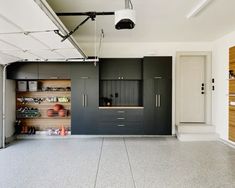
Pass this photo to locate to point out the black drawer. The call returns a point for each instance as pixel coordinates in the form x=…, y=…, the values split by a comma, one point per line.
x=118, y=115
x=120, y=127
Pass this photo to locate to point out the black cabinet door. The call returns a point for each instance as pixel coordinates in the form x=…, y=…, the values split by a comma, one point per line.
x=121, y=68
x=22, y=71
x=130, y=69
x=163, y=114
x=149, y=106
x=85, y=98
x=50, y=70
x=109, y=69
x=157, y=96
x=84, y=70
x=157, y=67
x=84, y=105
x=157, y=106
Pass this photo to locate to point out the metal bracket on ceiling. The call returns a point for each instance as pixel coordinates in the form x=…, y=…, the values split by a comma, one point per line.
x=90, y=15
x=84, y=13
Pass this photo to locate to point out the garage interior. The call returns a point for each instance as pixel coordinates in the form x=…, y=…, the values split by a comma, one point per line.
x=117, y=94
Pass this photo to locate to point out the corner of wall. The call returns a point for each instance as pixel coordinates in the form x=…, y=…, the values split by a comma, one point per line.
x=220, y=69
x=1, y=77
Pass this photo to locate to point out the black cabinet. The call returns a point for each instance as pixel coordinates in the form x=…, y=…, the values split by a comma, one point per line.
x=120, y=121
x=38, y=70
x=158, y=96
x=84, y=98
x=22, y=71
x=51, y=70
x=157, y=67
x=121, y=69
x=84, y=70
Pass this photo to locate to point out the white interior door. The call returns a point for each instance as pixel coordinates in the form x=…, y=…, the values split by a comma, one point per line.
x=192, y=97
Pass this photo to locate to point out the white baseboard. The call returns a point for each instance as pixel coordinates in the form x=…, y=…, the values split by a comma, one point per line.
x=188, y=137
x=44, y=135
x=228, y=143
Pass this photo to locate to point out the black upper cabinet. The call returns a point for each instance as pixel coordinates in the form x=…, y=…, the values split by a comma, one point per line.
x=83, y=70
x=121, y=69
x=158, y=67
x=51, y=70
x=22, y=71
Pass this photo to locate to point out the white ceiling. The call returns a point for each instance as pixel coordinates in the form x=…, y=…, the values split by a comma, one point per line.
x=157, y=20
x=23, y=37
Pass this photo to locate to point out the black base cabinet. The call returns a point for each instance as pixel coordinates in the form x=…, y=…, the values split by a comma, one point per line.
x=158, y=95
x=84, y=98
x=120, y=121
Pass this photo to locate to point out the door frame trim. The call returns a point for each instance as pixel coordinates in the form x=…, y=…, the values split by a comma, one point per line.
x=208, y=84
x=1, y=106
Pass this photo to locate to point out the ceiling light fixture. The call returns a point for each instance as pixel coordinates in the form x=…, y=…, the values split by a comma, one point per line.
x=199, y=8
x=125, y=18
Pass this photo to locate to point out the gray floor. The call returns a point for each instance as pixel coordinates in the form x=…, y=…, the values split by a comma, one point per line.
x=117, y=163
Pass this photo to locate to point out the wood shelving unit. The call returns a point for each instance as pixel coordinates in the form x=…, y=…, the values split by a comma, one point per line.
x=232, y=94
x=43, y=122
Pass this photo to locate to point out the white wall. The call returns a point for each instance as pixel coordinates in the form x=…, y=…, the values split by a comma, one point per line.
x=1, y=69
x=220, y=73
x=10, y=107
x=144, y=49
x=117, y=50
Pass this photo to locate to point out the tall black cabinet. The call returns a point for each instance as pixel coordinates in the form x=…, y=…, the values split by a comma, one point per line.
x=84, y=98
x=157, y=95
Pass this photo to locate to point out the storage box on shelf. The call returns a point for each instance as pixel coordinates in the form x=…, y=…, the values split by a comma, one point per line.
x=232, y=93
x=33, y=107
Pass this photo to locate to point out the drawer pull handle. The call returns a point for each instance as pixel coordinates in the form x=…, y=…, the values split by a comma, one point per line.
x=121, y=125
x=120, y=111
x=120, y=118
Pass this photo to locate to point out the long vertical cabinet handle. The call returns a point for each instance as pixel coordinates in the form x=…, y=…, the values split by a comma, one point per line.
x=159, y=100
x=86, y=100
x=83, y=100
x=156, y=100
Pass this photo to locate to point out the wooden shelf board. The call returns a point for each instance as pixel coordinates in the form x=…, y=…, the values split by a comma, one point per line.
x=43, y=104
x=54, y=118
x=19, y=92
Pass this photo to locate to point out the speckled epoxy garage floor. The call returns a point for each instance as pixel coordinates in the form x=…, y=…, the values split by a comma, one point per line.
x=116, y=163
